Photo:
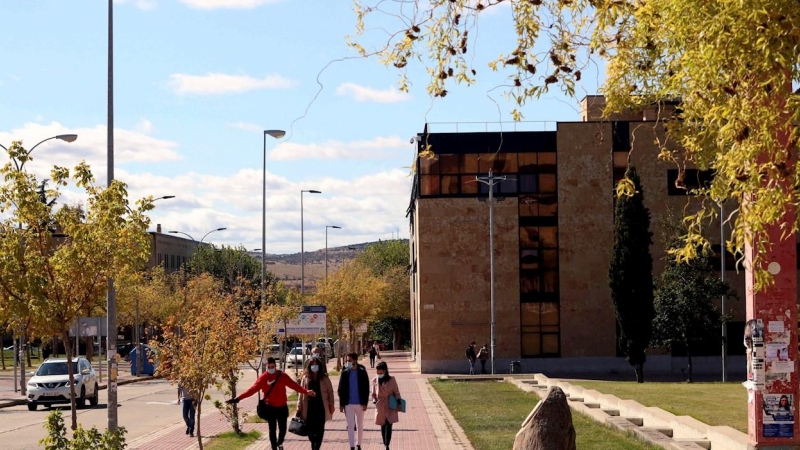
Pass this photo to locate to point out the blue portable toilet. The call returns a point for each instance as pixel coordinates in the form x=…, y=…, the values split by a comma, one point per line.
x=148, y=368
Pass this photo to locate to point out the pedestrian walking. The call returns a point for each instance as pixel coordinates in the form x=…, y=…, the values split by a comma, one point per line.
x=187, y=398
x=353, y=398
x=483, y=356
x=317, y=409
x=273, y=384
x=471, y=356
x=383, y=386
x=373, y=353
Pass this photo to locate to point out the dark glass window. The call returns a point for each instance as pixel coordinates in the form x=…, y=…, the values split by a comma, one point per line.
x=540, y=326
x=448, y=164
x=428, y=165
x=469, y=185
x=449, y=184
x=529, y=183
x=469, y=163
x=429, y=184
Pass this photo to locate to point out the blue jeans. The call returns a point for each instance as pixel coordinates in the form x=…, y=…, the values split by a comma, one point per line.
x=188, y=413
x=472, y=367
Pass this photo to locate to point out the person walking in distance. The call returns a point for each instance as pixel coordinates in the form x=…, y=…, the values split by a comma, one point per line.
x=316, y=410
x=373, y=353
x=471, y=357
x=187, y=397
x=383, y=386
x=273, y=384
x=483, y=356
x=353, y=398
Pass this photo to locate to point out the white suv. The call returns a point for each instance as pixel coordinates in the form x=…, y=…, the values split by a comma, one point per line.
x=50, y=383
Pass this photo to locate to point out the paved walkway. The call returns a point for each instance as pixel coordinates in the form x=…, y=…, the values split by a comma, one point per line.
x=426, y=426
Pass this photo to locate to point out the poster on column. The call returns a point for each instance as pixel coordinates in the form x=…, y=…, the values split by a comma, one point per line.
x=778, y=410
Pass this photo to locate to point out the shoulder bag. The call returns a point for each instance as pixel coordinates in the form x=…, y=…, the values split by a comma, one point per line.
x=262, y=410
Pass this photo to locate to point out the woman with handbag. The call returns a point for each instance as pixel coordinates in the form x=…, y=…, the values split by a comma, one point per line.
x=383, y=387
x=273, y=407
x=318, y=408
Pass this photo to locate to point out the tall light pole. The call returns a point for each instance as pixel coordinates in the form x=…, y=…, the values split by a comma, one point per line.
x=277, y=134
x=326, y=247
x=19, y=343
x=491, y=181
x=302, y=251
x=111, y=297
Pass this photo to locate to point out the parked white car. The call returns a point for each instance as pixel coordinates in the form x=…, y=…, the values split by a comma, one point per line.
x=295, y=357
x=50, y=383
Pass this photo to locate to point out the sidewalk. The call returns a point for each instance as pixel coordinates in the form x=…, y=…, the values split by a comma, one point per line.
x=427, y=425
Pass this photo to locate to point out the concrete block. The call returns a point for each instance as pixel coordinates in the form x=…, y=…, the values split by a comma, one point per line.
x=635, y=420
x=689, y=427
x=727, y=438
x=700, y=443
x=652, y=436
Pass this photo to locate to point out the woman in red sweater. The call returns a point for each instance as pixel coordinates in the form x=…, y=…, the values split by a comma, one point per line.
x=274, y=382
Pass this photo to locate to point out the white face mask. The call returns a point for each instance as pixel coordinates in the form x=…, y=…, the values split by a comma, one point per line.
x=348, y=365
x=271, y=371
x=314, y=368
x=382, y=375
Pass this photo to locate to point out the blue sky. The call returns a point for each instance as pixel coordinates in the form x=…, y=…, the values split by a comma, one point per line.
x=195, y=83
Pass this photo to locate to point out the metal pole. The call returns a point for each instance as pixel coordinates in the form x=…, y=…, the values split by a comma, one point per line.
x=302, y=260
x=264, y=226
x=111, y=299
x=15, y=354
x=326, y=254
x=22, y=387
x=722, y=278
x=491, y=258
x=138, y=342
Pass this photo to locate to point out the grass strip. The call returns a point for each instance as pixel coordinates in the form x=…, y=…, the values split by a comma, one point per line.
x=491, y=414
x=711, y=403
x=232, y=441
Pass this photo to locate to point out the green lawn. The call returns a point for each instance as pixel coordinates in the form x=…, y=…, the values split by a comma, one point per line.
x=9, y=358
x=491, y=414
x=711, y=403
x=232, y=441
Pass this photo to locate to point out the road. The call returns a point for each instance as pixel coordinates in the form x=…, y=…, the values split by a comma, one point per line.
x=144, y=407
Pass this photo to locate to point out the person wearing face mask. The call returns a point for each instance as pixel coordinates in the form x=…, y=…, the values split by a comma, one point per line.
x=273, y=384
x=354, y=397
x=383, y=386
x=316, y=409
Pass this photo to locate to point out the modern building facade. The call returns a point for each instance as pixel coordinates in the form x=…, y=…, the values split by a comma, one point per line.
x=553, y=221
x=169, y=250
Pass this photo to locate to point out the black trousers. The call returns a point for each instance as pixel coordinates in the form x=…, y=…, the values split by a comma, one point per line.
x=386, y=433
x=276, y=418
x=483, y=366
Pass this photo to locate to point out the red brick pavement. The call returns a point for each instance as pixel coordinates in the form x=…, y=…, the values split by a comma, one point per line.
x=426, y=426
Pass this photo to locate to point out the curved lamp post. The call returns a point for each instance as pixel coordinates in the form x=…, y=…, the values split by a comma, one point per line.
x=302, y=255
x=193, y=239
x=63, y=137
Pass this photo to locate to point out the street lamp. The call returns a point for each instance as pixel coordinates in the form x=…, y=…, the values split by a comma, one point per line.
x=302, y=256
x=277, y=134
x=326, y=247
x=491, y=181
x=111, y=296
x=722, y=305
x=193, y=239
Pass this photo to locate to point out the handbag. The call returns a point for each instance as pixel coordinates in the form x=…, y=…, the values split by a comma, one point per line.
x=262, y=410
x=397, y=405
x=298, y=426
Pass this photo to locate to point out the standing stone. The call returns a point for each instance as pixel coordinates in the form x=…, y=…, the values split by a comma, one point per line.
x=548, y=426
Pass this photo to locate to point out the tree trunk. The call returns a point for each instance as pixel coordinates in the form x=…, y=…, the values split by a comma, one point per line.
x=638, y=368
x=71, y=372
x=199, y=403
x=689, y=356
x=89, y=347
x=237, y=427
x=3, y=352
x=28, y=355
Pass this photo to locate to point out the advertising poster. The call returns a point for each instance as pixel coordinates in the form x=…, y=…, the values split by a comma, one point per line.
x=777, y=351
x=778, y=410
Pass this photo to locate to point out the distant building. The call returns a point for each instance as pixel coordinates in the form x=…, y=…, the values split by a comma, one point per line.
x=170, y=250
x=554, y=221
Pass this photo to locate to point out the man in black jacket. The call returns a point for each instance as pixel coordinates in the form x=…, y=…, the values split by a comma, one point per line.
x=353, y=397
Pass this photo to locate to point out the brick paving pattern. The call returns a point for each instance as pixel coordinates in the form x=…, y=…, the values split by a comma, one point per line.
x=426, y=426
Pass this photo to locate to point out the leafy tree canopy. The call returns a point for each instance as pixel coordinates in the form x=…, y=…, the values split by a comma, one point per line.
x=731, y=65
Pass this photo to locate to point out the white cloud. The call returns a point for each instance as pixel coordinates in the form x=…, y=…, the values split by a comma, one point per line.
x=245, y=126
x=129, y=147
x=367, y=94
x=377, y=148
x=145, y=5
x=228, y=4
x=144, y=126
x=220, y=83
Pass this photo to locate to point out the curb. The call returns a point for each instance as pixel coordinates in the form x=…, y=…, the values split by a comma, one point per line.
x=22, y=401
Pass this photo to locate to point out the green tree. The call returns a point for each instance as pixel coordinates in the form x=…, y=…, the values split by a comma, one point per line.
x=388, y=261
x=233, y=265
x=55, y=263
x=630, y=275
x=685, y=313
x=731, y=64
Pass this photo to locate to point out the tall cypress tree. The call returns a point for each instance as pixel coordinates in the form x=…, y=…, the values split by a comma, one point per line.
x=630, y=275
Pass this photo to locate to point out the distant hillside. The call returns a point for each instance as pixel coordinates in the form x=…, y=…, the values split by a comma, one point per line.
x=287, y=267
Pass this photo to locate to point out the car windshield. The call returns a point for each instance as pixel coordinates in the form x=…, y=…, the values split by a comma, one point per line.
x=55, y=368
x=296, y=351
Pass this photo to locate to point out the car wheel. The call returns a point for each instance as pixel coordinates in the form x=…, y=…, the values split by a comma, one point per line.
x=32, y=406
x=81, y=401
x=95, y=399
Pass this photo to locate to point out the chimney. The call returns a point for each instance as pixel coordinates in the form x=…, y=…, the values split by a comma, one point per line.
x=158, y=228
